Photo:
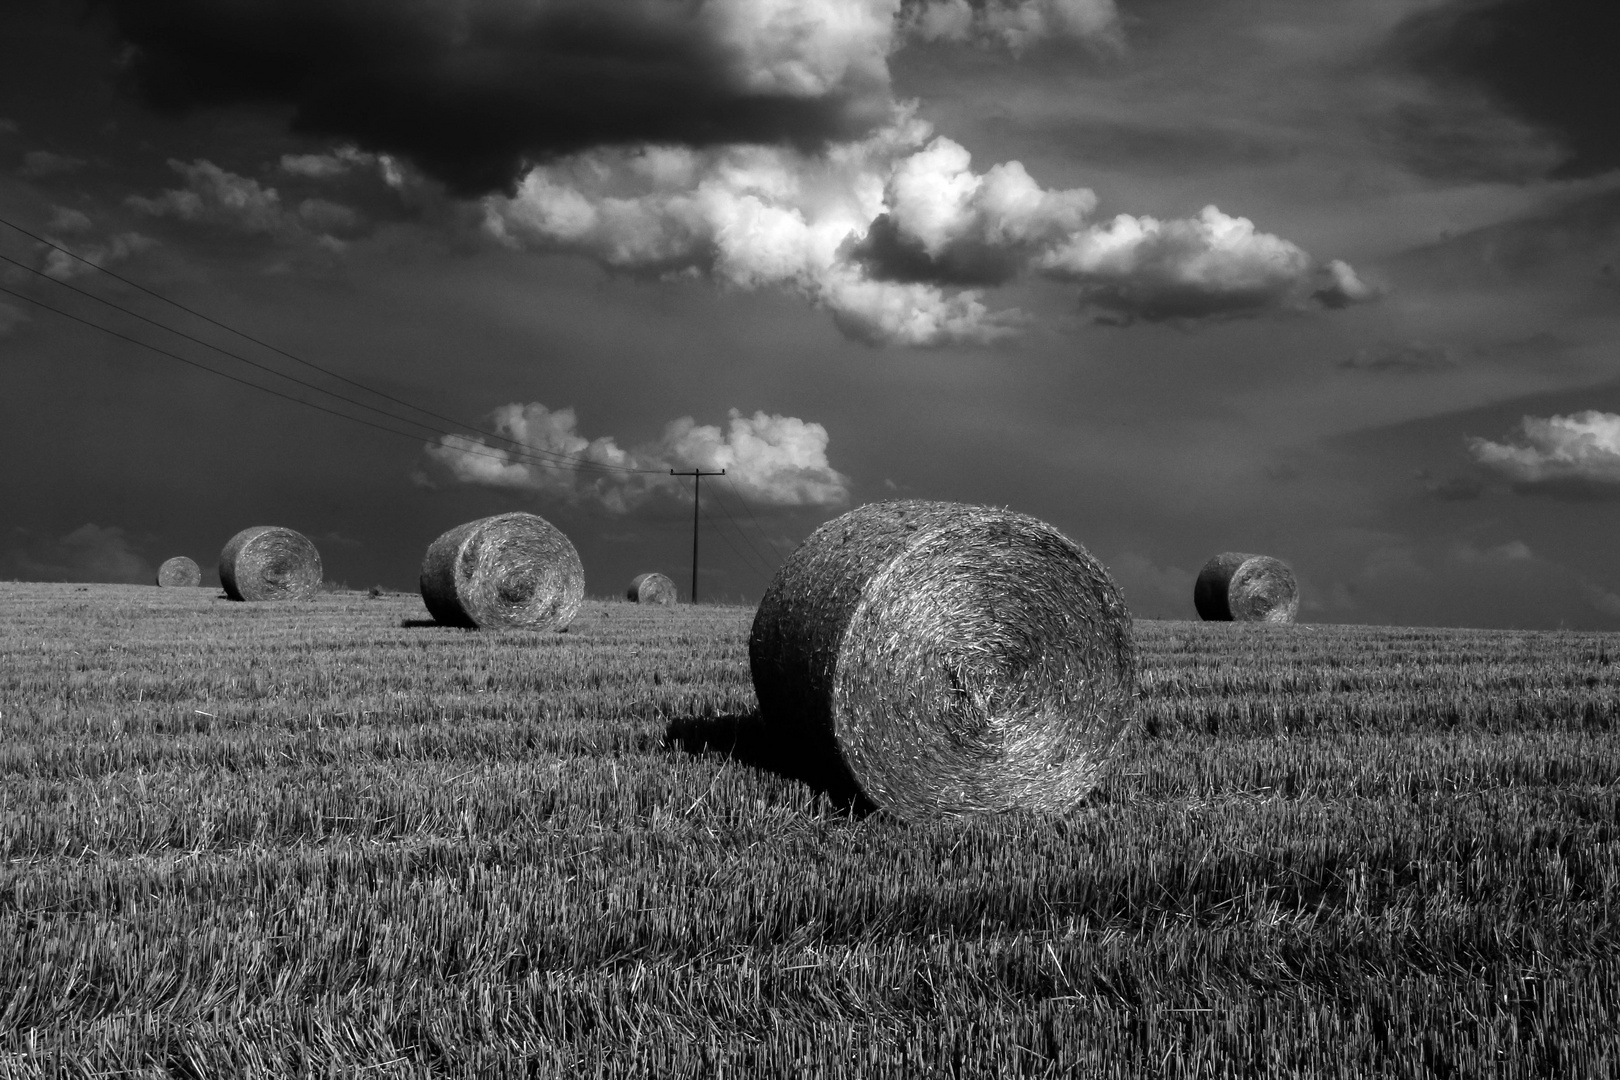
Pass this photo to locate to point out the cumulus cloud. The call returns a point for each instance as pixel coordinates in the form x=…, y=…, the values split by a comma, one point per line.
x=771, y=460
x=344, y=161
x=1574, y=455
x=944, y=222
x=114, y=249
x=747, y=217
x=215, y=196
x=64, y=219
x=886, y=232
x=754, y=142
x=1212, y=265
x=89, y=553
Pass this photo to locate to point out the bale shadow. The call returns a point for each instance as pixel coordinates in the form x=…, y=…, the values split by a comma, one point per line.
x=415, y=624
x=746, y=738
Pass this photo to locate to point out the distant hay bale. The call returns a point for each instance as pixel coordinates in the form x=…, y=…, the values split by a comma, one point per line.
x=266, y=562
x=510, y=570
x=179, y=572
x=1236, y=586
x=652, y=589
x=942, y=658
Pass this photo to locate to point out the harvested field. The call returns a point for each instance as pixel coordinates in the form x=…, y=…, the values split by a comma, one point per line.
x=324, y=837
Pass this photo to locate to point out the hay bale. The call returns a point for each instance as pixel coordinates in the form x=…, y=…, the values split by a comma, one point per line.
x=1237, y=586
x=652, y=589
x=267, y=562
x=179, y=572
x=510, y=570
x=942, y=658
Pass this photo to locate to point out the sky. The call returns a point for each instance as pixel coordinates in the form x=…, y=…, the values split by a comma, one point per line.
x=1335, y=283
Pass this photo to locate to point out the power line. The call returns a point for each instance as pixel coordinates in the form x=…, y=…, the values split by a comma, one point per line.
x=780, y=557
x=761, y=561
x=528, y=455
x=748, y=553
x=531, y=452
x=491, y=452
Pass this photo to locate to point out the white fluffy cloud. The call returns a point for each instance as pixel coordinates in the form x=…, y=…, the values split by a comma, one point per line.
x=747, y=217
x=341, y=162
x=1210, y=265
x=215, y=196
x=769, y=459
x=885, y=232
x=1581, y=451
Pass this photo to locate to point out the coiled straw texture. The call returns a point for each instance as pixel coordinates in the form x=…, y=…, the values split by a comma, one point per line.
x=179, y=572
x=945, y=658
x=652, y=589
x=267, y=562
x=1237, y=586
x=511, y=570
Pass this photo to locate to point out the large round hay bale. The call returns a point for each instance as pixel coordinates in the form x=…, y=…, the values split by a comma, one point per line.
x=1237, y=586
x=179, y=572
x=510, y=570
x=267, y=562
x=652, y=589
x=943, y=658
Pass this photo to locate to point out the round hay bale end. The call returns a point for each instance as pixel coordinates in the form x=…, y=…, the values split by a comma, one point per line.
x=943, y=658
x=510, y=570
x=652, y=589
x=267, y=562
x=179, y=572
x=1235, y=586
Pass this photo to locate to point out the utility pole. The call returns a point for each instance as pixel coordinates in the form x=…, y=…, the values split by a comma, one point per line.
x=697, y=476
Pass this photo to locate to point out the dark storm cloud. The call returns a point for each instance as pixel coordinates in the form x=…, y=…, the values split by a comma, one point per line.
x=471, y=91
x=1550, y=63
